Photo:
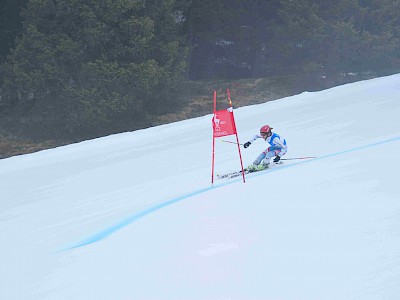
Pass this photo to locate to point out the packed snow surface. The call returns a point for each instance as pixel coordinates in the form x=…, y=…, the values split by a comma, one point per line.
x=134, y=215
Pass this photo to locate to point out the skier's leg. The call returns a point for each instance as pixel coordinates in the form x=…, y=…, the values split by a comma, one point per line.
x=267, y=158
x=256, y=162
x=259, y=158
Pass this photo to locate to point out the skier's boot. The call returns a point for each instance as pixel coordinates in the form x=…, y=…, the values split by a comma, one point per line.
x=255, y=168
x=251, y=168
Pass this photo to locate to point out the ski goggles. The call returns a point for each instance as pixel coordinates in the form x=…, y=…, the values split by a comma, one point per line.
x=264, y=134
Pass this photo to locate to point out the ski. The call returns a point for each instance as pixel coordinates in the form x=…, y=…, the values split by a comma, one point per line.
x=239, y=173
x=230, y=175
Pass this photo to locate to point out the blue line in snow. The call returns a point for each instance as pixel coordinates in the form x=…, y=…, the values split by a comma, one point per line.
x=327, y=156
x=110, y=230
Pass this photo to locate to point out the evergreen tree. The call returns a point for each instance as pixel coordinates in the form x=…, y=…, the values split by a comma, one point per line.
x=298, y=34
x=246, y=38
x=81, y=65
x=381, y=36
x=10, y=24
x=333, y=37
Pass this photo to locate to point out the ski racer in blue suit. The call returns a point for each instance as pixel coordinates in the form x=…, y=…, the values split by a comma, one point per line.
x=277, y=148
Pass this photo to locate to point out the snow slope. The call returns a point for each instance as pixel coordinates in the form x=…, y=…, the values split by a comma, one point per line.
x=134, y=216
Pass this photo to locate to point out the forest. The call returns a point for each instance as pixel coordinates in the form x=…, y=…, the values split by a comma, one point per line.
x=77, y=69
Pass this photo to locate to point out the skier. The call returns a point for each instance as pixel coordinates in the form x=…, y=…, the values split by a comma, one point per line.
x=278, y=148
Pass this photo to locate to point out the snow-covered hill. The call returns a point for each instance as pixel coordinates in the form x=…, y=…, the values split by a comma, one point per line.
x=134, y=215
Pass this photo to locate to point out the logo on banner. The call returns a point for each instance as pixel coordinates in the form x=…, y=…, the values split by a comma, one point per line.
x=223, y=123
x=217, y=123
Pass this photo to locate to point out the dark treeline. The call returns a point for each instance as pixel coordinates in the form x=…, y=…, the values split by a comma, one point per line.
x=81, y=68
x=256, y=38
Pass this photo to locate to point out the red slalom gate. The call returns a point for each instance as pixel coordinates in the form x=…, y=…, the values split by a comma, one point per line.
x=223, y=124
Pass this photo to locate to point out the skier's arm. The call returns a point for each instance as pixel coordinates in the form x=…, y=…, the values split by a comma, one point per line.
x=247, y=144
x=254, y=138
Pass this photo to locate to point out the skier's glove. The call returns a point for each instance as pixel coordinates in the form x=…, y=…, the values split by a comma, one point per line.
x=276, y=159
x=246, y=144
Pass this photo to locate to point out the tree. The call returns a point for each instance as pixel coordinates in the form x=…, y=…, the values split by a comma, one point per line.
x=82, y=65
x=10, y=24
x=381, y=36
x=298, y=35
x=246, y=38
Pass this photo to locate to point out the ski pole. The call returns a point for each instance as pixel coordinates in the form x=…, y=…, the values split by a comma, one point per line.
x=231, y=142
x=305, y=157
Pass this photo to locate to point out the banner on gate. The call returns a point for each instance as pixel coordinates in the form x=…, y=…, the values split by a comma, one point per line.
x=224, y=123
